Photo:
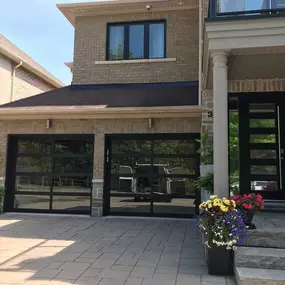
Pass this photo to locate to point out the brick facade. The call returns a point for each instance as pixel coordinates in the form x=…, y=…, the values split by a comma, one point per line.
x=182, y=46
x=99, y=128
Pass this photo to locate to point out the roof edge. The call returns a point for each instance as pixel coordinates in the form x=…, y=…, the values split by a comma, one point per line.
x=73, y=10
x=98, y=112
x=54, y=82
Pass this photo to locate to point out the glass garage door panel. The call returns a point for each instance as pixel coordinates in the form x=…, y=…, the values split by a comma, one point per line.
x=54, y=174
x=153, y=176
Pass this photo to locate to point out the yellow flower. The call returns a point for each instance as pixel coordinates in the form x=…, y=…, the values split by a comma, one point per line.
x=227, y=202
x=224, y=208
x=213, y=197
x=233, y=203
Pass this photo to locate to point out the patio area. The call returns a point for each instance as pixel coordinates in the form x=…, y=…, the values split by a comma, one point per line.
x=62, y=250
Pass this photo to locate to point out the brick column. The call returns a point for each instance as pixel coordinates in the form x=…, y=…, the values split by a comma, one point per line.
x=97, y=198
x=98, y=176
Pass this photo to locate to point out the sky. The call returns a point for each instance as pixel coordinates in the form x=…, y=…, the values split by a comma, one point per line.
x=39, y=29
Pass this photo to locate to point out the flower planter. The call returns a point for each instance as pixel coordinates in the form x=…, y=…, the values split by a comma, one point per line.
x=219, y=260
x=248, y=217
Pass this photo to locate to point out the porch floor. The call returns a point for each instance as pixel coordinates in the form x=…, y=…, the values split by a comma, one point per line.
x=269, y=220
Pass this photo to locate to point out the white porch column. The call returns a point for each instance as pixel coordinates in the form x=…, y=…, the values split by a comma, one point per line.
x=220, y=123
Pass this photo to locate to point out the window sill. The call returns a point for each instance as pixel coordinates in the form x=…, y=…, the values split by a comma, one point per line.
x=136, y=61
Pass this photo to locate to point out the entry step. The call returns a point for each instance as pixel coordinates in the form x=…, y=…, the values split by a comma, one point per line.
x=257, y=276
x=256, y=257
x=266, y=237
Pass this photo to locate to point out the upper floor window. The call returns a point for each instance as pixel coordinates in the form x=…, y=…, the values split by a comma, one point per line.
x=143, y=40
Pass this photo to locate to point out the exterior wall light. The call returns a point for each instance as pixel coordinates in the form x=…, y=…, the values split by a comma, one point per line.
x=150, y=123
x=49, y=124
x=148, y=7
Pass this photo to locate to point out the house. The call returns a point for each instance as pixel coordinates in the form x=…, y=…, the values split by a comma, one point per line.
x=122, y=138
x=20, y=75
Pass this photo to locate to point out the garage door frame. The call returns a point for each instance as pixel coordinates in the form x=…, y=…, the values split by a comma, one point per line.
x=153, y=136
x=10, y=181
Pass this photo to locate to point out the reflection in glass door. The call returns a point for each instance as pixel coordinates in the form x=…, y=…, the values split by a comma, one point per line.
x=260, y=137
x=151, y=174
x=51, y=174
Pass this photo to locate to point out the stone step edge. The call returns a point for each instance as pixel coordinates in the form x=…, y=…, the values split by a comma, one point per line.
x=261, y=251
x=256, y=274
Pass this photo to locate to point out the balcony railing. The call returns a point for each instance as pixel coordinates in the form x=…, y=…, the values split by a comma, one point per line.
x=242, y=8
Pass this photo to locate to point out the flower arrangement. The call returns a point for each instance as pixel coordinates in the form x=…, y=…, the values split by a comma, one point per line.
x=251, y=202
x=221, y=223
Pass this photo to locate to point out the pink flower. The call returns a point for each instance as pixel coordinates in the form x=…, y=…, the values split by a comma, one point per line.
x=249, y=207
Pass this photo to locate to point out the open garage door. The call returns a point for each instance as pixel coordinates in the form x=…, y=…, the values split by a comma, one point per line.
x=151, y=175
x=50, y=174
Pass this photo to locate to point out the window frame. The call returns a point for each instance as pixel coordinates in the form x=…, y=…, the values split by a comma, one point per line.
x=126, y=26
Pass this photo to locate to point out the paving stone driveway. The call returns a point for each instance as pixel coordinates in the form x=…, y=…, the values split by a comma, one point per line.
x=60, y=250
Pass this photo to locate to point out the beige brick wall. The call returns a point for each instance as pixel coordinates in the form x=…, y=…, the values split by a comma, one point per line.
x=182, y=44
x=26, y=84
x=97, y=127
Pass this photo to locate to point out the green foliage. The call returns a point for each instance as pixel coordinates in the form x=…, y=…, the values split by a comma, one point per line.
x=118, y=54
x=205, y=183
x=206, y=148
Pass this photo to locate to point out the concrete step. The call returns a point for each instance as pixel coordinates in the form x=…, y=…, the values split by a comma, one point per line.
x=266, y=237
x=257, y=276
x=256, y=257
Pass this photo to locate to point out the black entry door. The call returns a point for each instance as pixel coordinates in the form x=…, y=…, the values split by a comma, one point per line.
x=262, y=143
x=49, y=174
x=151, y=175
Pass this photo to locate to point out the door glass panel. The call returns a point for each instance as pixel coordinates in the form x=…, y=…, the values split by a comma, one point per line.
x=83, y=146
x=34, y=164
x=268, y=138
x=131, y=147
x=78, y=184
x=262, y=108
x=181, y=166
x=263, y=169
x=173, y=186
x=173, y=206
x=35, y=146
x=64, y=165
x=264, y=186
x=262, y=123
x=71, y=203
x=129, y=165
x=137, y=205
x=83, y=165
x=33, y=183
x=136, y=43
x=263, y=154
x=183, y=147
x=31, y=202
x=64, y=146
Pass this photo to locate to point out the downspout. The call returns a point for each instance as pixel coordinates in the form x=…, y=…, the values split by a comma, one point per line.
x=13, y=79
x=200, y=49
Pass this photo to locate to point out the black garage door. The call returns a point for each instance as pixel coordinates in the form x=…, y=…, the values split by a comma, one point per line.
x=151, y=175
x=49, y=174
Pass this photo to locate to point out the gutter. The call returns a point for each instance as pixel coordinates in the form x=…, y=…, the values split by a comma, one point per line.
x=13, y=79
x=98, y=112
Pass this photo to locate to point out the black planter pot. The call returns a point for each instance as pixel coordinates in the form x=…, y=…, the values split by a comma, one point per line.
x=247, y=218
x=219, y=260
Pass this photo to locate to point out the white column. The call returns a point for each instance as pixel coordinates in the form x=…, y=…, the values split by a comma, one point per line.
x=220, y=123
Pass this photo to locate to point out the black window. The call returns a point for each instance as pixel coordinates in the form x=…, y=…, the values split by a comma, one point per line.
x=142, y=40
